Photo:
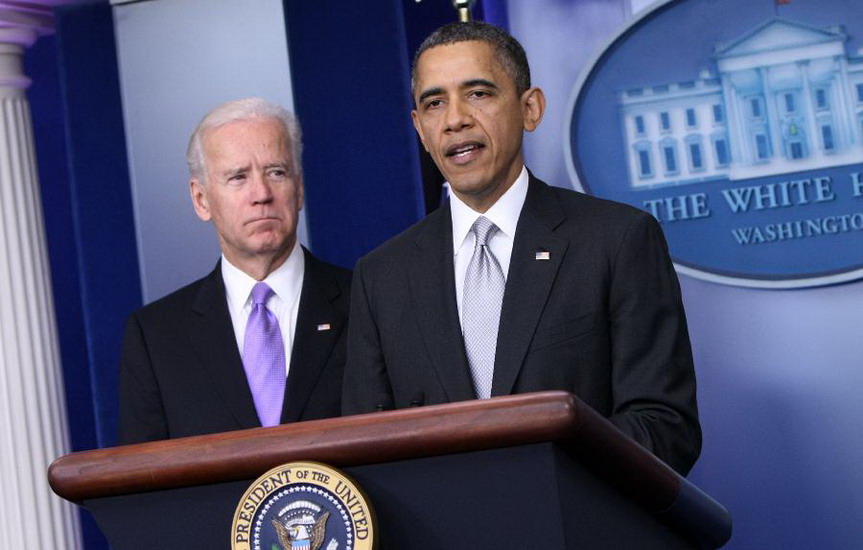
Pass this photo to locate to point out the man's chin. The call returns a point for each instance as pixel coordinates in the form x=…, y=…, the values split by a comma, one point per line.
x=468, y=190
x=264, y=247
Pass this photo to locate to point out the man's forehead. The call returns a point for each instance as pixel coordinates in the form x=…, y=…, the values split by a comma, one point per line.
x=463, y=61
x=477, y=49
x=248, y=134
x=254, y=125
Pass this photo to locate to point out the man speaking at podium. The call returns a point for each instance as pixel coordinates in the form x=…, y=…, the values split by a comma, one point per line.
x=515, y=286
x=261, y=339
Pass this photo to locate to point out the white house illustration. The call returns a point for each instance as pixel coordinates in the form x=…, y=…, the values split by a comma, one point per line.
x=787, y=98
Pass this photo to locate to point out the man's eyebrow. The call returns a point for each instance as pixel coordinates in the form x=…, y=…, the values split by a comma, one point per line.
x=428, y=93
x=479, y=82
x=283, y=164
x=235, y=171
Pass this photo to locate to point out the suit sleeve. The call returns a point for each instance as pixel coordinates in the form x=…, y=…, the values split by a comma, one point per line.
x=366, y=385
x=653, y=376
x=142, y=415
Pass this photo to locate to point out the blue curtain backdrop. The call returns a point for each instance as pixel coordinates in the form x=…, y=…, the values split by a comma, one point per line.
x=80, y=145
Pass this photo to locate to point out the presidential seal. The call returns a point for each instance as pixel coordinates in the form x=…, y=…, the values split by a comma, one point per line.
x=303, y=506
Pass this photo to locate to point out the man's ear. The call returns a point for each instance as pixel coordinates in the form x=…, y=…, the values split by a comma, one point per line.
x=198, y=192
x=301, y=194
x=415, y=117
x=533, y=107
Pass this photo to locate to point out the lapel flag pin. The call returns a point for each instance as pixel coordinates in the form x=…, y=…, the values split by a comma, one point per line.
x=543, y=255
x=324, y=326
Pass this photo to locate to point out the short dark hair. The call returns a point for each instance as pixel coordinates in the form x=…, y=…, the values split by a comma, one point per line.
x=509, y=52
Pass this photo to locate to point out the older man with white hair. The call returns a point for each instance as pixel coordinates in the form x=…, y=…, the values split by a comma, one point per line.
x=261, y=339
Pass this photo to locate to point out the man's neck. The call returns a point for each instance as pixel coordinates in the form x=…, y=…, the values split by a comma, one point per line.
x=260, y=266
x=481, y=203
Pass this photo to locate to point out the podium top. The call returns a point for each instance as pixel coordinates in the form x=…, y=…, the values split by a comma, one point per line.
x=393, y=435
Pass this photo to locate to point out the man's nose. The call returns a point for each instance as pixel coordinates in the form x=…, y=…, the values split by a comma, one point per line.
x=261, y=188
x=458, y=115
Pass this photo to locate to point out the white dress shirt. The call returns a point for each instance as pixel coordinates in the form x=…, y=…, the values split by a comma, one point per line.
x=504, y=213
x=286, y=282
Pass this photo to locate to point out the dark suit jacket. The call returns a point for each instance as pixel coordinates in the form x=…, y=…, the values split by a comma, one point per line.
x=602, y=318
x=181, y=373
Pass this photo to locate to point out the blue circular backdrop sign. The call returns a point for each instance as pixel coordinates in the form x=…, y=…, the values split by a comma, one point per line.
x=739, y=125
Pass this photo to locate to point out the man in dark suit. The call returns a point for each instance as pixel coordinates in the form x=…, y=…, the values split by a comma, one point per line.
x=187, y=366
x=589, y=304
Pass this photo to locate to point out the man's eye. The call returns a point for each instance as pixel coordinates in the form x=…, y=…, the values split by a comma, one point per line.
x=237, y=179
x=278, y=173
x=433, y=103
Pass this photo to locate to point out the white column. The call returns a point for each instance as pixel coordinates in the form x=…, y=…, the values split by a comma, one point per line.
x=740, y=153
x=845, y=108
x=33, y=428
x=772, y=115
x=816, y=146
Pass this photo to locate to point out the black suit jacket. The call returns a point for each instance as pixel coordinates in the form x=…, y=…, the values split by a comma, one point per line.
x=601, y=318
x=181, y=373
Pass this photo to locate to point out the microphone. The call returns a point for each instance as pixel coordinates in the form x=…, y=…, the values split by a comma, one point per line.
x=463, y=7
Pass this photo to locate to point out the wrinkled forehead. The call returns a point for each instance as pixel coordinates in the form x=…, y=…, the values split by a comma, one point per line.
x=257, y=136
x=264, y=127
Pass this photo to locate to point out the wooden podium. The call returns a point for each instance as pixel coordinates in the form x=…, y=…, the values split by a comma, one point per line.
x=538, y=470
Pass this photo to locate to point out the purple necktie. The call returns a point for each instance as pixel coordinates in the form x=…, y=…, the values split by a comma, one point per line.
x=264, y=358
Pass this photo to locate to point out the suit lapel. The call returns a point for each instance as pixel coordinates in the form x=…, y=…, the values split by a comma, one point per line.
x=432, y=284
x=215, y=346
x=313, y=344
x=536, y=257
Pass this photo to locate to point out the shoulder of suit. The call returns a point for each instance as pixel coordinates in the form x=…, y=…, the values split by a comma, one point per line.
x=405, y=242
x=578, y=202
x=316, y=267
x=580, y=208
x=182, y=298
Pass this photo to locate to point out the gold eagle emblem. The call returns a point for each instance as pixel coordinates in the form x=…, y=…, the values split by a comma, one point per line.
x=300, y=532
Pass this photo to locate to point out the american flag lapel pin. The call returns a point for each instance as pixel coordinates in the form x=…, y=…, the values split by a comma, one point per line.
x=324, y=326
x=543, y=255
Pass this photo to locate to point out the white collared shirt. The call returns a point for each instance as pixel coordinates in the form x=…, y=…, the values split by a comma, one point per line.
x=286, y=282
x=504, y=213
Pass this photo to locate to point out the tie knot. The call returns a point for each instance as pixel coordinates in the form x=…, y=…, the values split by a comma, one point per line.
x=261, y=293
x=483, y=228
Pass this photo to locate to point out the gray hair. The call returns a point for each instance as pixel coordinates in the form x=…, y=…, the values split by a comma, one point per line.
x=238, y=110
x=507, y=49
